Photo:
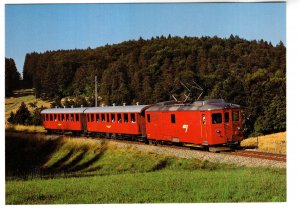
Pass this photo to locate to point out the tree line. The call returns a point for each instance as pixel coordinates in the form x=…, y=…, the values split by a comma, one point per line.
x=249, y=73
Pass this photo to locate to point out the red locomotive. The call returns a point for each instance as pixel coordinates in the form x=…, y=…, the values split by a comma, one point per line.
x=201, y=123
x=211, y=122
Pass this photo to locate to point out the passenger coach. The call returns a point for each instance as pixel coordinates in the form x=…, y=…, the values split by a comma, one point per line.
x=112, y=120
x=63, y=119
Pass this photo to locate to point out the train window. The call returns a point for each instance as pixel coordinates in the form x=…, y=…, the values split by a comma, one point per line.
x=55, y=117
x=88, y=117
x=92, y=117
x=46, y=117
x=67, y=117
x=173, y=120
x=125, y=118
x=148, y=118
x=77, y=117
x=113, y=118
x=103, y=118
x=226, y=117
x=107, y=118
x=216, y=118
x=235, y=116
x=119, y=117
x=51, y=118
x=132, y=118
x=203, y=119
x=62, y=117
x=97, y=118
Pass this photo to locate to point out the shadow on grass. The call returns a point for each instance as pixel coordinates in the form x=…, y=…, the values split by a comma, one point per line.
x=26, y=154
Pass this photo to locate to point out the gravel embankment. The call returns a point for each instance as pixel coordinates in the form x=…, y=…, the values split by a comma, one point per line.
x=204, y=155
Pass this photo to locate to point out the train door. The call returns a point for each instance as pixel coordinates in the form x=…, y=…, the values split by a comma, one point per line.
x=83, y=121
x=217, y=128
x=142, y=123
x=227, y=125
x=203, y=129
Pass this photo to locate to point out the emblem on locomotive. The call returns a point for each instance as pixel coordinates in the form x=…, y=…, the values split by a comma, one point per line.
x=185, y=126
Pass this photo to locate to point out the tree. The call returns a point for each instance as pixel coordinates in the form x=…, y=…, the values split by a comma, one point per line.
x=22, y=115
x=12, y=76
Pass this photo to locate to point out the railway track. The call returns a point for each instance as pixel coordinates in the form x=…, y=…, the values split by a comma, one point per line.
x=260, y=155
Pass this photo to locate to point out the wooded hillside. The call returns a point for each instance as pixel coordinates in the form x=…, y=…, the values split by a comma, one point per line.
x=249, y=73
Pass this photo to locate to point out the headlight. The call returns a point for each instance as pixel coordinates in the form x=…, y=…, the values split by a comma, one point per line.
x=218, y=131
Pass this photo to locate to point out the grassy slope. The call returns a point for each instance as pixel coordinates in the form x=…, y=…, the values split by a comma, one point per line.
x=24, y=95
x=67, y=171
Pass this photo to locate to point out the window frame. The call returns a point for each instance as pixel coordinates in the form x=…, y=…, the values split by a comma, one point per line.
x=119, y=117
x=148, y=118
x=226, y=120
x=234, y=116
x=132, y=118
x=103, y=120
x=126, y=118
x=173, y=118
x=219, y=114
x=113, y=117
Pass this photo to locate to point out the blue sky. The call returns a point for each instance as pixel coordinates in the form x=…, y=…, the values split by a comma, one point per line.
x=45, y=27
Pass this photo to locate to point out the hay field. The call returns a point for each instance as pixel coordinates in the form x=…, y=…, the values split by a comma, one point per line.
x=275, y=143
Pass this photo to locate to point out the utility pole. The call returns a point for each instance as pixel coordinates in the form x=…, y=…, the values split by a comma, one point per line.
x=96, y=91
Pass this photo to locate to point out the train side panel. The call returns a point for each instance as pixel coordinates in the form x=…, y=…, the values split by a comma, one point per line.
x=120, y=123
x=184, y=126
x=66, y=122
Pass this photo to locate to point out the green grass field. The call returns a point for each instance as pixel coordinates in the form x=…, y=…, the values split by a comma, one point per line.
x=62, y=170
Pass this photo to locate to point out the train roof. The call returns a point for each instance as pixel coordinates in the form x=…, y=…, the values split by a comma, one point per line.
x=117, y=109
x=212, y=104
x=63, y=110
x=105, y=109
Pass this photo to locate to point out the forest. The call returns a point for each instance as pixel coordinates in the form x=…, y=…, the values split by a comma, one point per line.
x=249, y=73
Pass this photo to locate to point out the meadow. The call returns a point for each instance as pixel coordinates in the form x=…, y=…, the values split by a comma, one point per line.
x=63, y=170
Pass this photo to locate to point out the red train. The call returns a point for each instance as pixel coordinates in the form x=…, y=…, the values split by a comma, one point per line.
x=202, y=123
